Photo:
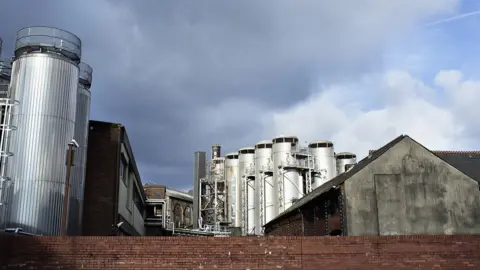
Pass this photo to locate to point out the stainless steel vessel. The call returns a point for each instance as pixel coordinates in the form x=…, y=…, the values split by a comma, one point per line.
x=44, y=81
x=82, y=118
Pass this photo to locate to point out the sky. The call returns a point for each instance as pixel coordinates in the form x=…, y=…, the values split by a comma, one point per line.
x=183, y=75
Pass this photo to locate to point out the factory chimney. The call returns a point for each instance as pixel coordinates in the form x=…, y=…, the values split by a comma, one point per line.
x=216, y=151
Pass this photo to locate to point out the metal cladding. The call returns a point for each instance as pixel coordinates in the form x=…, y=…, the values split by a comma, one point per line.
x=199, y=172
x=246, y=168
x=82, y=118
x=5, y=75
x=218, y=175
x=264, y=193
x=324, y=162
x=286, y=178
x=343, y=159
x=233, y=182
x=216, y=151
x=44, y=81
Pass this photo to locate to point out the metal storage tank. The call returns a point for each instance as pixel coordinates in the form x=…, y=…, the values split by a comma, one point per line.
x=82, y=118
x=216, y=151
x=218, y=175
x=323, y=162
x=286, y=177
x=233, y=184
x=44, y=81
x=343, y=159
x=246, y=167
x=5, y=74
x=1, y=46
x=264, y=193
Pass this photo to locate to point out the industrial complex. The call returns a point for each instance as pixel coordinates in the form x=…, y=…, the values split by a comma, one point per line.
x=245, y=190
x=64, y=174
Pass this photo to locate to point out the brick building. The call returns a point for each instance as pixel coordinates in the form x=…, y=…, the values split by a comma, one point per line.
x=400, y=189
x=113, y=189
x=166, y=208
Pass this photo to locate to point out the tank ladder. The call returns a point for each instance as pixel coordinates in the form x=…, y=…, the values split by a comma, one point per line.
x=6, y=104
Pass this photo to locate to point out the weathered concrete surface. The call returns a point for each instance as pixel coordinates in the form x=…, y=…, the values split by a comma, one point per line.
x=408, y=190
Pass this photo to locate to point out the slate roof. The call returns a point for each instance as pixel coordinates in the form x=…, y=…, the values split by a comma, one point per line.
x=467, y=162
x=338, y=179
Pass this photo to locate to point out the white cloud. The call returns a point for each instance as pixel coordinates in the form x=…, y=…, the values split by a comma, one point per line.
x=407, y=107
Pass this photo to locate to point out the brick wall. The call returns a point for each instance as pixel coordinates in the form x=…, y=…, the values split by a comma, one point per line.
x=404, y=252
x=100, y=197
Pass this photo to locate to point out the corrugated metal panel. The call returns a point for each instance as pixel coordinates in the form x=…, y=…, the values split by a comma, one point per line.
x=78, y=171
x=46, y=87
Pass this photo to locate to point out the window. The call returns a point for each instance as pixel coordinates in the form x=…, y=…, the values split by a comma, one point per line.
x=124, y=170
x=137, y=200
x=158, y=211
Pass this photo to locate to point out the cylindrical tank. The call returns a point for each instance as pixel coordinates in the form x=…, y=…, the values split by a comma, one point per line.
x=284, y=172
x=216, y=151
x=44, y=81
x=5, y=74
x=1, y=46
x=246, y=162
x=264, y=193
x=82, y=118
x=233, y=183
x=323, y=162
x=343, y=159
x=218, y=175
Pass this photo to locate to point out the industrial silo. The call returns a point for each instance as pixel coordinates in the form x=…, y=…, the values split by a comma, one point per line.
x=344, y=159
x=323, y=162
x=264, y=193
x=82, y=118
x=44, y=81
x=233, y=184
x=287, y=181
x=5, y=74
x=246, y=168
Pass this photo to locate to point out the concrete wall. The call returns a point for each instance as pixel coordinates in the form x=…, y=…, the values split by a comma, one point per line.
x=408, y=190
x=308, y=253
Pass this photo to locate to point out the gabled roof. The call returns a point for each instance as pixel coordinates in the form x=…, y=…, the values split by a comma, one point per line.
x=338, y=179
x=468, y=162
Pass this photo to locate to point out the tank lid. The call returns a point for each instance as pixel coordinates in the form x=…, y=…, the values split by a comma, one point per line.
x=264, y=142
x=5, y=69
x=345, y=155
x=50, y=39
x=85, y=74
x=285, y=136
x=232, y=154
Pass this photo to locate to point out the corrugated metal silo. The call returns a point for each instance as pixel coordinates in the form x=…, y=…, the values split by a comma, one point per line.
x=82, y=117
x=44, y=81
x=264, y=192
x=233, y=185
x=286, y=176
x=324, y=162
x=246, y=168
x=5, y=74
x=343, y=159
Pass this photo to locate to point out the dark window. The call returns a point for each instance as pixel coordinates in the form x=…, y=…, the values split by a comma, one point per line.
x=137, y=200
x=123, y=171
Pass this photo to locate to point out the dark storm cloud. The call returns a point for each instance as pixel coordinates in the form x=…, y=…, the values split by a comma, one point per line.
x=161, y=68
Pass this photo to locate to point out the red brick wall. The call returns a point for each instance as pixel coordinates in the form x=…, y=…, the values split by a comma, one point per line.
x=100, y=197
x=404, y=252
